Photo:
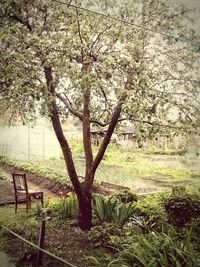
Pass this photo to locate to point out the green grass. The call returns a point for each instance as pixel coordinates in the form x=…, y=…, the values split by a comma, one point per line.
x=125, y=167
x=3, y=175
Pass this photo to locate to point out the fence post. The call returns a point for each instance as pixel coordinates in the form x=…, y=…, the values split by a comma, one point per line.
x=43, y=143
x=29, y=141
x=41, y=243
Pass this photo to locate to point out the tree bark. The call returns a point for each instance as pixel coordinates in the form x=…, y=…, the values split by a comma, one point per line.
x=83, y=192
x=84, y=196
x=85, y=211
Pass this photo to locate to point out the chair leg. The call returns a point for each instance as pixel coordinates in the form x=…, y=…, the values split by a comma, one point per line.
x=28, y=200
x=16, y=202
x=26, y=205
x=42, y=199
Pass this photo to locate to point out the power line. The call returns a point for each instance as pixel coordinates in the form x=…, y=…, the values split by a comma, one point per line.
x=175, y=39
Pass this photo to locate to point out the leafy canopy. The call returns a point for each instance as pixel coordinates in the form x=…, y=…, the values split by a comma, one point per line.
x=155, y=78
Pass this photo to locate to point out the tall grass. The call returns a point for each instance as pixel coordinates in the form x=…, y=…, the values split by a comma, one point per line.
x=155, y=250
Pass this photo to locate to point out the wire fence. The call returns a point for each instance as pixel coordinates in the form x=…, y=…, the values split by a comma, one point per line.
x=58, y=259
x=25, y=142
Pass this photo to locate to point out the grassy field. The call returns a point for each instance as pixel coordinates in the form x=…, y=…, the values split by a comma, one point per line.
x=141, y=172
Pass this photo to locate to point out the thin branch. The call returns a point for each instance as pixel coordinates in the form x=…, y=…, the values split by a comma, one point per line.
x=70, y=108
x=160, y=125
x=98, y=36
x=23, y=22
x=79, y=33
x=108, y=135
x=106, y=123
x=45, y=19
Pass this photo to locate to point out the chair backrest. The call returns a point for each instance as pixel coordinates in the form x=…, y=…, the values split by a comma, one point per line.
x=20, y=183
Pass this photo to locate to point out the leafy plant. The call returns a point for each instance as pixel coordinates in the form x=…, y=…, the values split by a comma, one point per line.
x=182, y=207
x=122, y=213
x=150, y=214
x=100, y=235
x=69, y=207
x=126, y=196
x=66, y=207
x=157, y=250
x=104, y=208
x=109, y=210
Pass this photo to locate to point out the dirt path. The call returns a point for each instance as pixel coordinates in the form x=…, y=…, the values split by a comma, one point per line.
x=7, y=189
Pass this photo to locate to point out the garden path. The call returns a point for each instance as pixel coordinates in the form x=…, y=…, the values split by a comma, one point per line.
x=7, y=190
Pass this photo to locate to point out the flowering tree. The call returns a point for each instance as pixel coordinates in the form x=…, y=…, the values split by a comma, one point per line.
x=57, y=60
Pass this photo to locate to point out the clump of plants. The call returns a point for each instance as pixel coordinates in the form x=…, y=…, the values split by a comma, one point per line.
x=100, y=235
x=182, y=206
x=110, y=210
x=66, y=207
x=126, y=196
x=3, y=175
x=157, y=250
x=150, y=214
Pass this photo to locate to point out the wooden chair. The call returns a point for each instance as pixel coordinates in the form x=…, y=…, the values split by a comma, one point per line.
x=22, y=193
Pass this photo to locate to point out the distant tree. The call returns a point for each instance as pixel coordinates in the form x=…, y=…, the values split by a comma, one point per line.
x=57, y=60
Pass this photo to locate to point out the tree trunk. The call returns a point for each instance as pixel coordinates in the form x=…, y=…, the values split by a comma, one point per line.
x=85, y=211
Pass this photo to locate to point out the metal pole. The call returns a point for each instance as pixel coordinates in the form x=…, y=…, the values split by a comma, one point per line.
x=29, y=142
x=43, y=143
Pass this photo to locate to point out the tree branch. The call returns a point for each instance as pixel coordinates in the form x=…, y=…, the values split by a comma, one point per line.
x=106, y=123
x=23, y=22
x=98, y=36
x=70, y=108
x=80, y=36
x=87, y=136
x=159, y=124
x=108, y=135
x=60, y=135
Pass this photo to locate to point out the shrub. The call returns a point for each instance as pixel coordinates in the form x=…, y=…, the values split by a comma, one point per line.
x=100, y=235
x=126, y=196
x=182, y=207
x=150, y=214
x=104, y=208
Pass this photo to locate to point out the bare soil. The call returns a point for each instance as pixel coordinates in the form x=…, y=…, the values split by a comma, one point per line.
x=35, y=183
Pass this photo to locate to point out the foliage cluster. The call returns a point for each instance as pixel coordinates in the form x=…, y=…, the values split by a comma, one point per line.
x=22, y=224
x=65, y=208
x=3, y=175
x=100, y=235
x=157, y=250
x=182, y=206
x=148, y=238
x=126, y=196
x=110, y=210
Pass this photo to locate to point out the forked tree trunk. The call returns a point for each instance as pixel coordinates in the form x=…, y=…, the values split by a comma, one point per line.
x=83, y=192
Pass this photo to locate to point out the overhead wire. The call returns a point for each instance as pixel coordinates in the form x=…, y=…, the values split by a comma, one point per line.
x=174, y=38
